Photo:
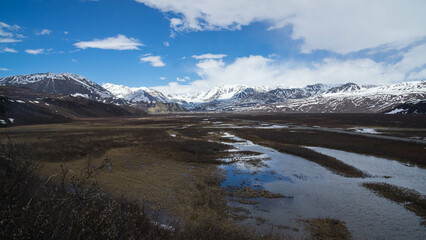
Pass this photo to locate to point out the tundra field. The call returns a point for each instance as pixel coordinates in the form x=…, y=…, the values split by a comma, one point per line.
x=320, y=176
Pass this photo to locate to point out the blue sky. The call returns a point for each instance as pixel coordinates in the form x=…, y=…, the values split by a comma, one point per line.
x=155, y=43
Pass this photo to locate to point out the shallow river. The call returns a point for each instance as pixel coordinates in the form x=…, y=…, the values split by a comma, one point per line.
x=320, y=193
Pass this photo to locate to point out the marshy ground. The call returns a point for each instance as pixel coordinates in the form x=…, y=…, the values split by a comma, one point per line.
x=240, y=172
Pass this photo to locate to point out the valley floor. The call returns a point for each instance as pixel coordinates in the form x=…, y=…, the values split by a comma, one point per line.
x=320, y=176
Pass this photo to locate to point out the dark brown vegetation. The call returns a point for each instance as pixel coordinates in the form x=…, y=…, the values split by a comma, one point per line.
x=36, y=209
x=328, y=229
x=248, y=192
x=410, y=199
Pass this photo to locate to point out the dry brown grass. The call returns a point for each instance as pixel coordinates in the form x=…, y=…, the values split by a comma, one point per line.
x=176, y=175
x=327, y=229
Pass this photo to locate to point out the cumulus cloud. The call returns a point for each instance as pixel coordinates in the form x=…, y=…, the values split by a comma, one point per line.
x=44, y=32
x=339, y=26
x=162, y=78
x=35, y=51
x=155, y=61
x=119, y=42
x=4, y=69
x=167, y=44
x=209, y=56
x=258, y=70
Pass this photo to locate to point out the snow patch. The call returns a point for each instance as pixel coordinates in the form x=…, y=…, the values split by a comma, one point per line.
x=80, y=95
x=395, y=111
x=366, y=130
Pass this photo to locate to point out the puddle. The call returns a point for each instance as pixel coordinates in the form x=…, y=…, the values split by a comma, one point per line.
x=319, y=193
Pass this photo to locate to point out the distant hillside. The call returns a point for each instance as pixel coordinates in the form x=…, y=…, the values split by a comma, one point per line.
x=417, y=107
x=160, y=107
x=21, y=106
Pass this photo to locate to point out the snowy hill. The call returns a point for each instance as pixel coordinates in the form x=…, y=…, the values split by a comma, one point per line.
x=136, y=94
x=61, y=83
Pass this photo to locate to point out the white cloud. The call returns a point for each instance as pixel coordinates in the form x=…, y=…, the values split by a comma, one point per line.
x=167, y=44
x=155, y=61
x=9, y=50
x=162, y=78
x=44, y=32
x=35, y=51
x=4, y=69
x=74, y=60
x=264, y=71
x=421, y=75
x=6, y=28
x=180, y=79
x=9, y=40
x=119, y=42
x=209, y=56
x=339, y=26
x=66, y=32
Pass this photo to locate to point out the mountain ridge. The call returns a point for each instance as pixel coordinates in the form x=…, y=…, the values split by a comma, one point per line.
x=348, y=97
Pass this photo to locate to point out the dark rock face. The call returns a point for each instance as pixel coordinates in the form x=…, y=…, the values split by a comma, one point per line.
x=418, y=107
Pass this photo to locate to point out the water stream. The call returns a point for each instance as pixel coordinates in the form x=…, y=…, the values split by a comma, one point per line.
x=320, y=193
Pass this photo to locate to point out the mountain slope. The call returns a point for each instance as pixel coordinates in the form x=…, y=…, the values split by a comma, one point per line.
x=418, y=107
x=318, y=98
x=61, y=83
x=26, y=106
x=353, y=99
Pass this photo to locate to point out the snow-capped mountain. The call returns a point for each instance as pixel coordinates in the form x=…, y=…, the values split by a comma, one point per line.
x=60, y=83
x=248, y=96
x=221, y=92
x=347, y=97
x=352, y=98
x=141, y=94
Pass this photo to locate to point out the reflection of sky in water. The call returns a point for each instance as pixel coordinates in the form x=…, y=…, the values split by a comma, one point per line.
x=400, y=174
x=319, y=193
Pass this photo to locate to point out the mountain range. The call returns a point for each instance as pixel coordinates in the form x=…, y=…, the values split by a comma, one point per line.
x=347, y=97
